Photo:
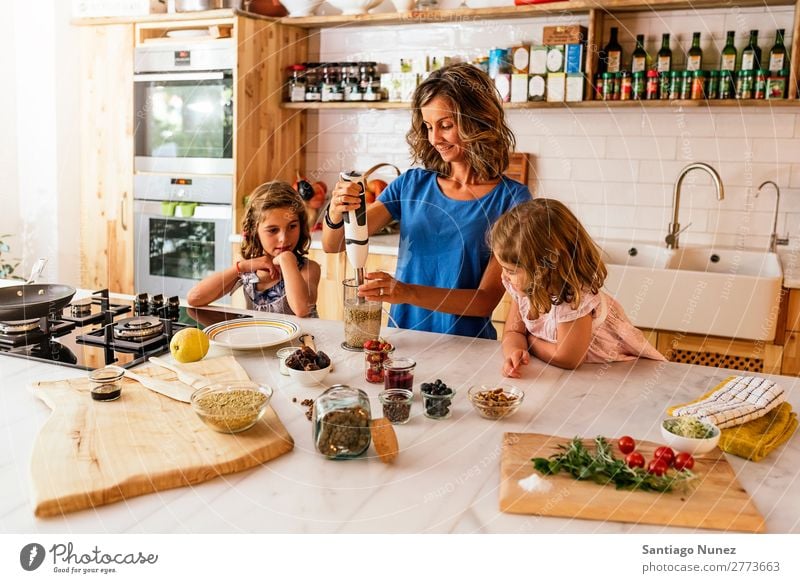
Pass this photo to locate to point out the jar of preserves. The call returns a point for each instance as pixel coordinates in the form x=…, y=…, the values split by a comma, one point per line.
x=760, y=86
x=698, y=85
x=637, y=90
x=296, y=83
x=341, y=422
x=713, y=85
x=651, y=87
x=313, y=84
x=625, y=86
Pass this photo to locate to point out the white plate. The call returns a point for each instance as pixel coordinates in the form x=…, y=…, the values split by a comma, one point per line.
x=187, y=33
x=245, y=334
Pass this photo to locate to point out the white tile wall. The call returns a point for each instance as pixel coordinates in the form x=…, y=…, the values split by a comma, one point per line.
x=614, y=167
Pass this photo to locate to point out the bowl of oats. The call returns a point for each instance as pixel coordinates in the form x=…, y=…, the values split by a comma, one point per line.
x=495, y=401
x=232, y=406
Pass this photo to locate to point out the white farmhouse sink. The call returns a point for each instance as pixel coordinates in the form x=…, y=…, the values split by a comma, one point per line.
x=720, y=292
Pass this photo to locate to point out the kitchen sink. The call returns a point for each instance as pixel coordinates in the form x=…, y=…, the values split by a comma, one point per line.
x=699, y=290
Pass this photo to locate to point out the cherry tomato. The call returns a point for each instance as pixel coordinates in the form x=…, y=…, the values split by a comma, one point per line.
x=683, y=461
x=658, y=467
x=626, y=444
x=634, y=460
x=664, y=453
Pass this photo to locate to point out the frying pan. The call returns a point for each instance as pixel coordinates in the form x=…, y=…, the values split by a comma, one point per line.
x=25, y=302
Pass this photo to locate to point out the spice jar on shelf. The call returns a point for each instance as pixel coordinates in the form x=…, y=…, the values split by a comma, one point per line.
x=651, y=86
x=341, y=422
x=698, y=85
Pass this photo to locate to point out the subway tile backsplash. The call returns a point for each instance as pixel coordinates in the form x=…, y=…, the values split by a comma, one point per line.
x=614, y=167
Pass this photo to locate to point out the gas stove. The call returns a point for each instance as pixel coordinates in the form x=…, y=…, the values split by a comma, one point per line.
x=95, y=331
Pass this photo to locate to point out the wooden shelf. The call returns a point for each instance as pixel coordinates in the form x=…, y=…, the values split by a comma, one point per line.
x=162, y=17
x=500, y=12
x=656, y=104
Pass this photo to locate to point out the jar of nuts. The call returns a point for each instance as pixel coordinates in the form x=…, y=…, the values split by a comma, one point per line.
x=341, y=420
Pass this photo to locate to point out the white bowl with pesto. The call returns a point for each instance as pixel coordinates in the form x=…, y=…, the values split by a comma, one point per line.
x=690, y=434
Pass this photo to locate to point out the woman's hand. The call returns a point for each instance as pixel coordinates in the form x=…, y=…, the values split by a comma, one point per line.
x=344, y=197
x=382, y=287
x=514, y=361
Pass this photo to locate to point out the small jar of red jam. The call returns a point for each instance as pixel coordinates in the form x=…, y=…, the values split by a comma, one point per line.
x=376, y=353
x=399, y=373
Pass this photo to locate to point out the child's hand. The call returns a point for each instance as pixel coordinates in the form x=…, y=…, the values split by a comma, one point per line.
x=514, y=361
x=265, y=264
x=281, y=258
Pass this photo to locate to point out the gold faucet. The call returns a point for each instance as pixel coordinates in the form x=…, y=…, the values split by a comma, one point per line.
x=774, y=240
x=675, y=227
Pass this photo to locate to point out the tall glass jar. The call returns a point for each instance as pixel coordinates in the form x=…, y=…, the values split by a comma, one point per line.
x=313, y=82
x=362, y=319
x=296, y=83
x=341, y=418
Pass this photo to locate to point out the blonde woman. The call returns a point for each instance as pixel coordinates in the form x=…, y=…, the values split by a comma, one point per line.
x=446, y=280
x=553, y=272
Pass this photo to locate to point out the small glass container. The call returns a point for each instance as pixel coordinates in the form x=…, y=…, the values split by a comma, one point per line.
x=437, y=406
x=313, y=82
x=626, y=86
x=698, y=85
x=675, y=78
x=296, y=83
x=686, y=85
x=608, y=86
x=637, y=89
x=663, y=85
x=760, y=86
x=373, y=363
x=727, y=86
x=651, y=86
x=362, y=319
x=106, y=384
x=399, y=373
x=396, y=405
x=341, y=418
x=282, y=355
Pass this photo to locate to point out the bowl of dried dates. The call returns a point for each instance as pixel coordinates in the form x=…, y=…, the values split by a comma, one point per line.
x=495, y=402
x=308, y=366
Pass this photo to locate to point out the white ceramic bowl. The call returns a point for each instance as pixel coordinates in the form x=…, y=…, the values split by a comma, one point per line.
x=688, y=444
x=354, y=6
x=309, y=378
x=300, y=8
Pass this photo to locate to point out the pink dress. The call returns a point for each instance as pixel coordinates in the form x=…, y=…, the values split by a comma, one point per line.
x=614, y=338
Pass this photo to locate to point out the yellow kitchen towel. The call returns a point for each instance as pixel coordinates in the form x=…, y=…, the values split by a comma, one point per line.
x=756, y=439
x=734, y=401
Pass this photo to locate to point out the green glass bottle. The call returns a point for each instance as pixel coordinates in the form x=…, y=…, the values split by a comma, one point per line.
x=777, y=55
x=751, y=55
x=639, y=58
x=727, y=60
x=664, y=62
x=694, y=61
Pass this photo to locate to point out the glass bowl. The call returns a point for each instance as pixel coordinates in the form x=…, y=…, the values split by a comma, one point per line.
x=396, y=405
x=232, y=406
x=692, y=445
x=438, y=406
x=495, y=402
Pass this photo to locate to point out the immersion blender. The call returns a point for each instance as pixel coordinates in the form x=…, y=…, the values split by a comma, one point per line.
x=356, y=234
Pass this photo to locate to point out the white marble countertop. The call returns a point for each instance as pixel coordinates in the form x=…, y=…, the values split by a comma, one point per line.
x=446, y=477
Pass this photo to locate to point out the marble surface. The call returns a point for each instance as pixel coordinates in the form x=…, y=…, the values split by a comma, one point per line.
x=446, y=478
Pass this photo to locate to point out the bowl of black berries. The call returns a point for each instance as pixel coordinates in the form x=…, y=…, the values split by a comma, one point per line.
x=437, y=399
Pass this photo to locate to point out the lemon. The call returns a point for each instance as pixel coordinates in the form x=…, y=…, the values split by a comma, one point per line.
x=189, y=345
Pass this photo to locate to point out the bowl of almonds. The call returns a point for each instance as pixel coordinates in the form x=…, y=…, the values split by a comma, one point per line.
x=495, y=402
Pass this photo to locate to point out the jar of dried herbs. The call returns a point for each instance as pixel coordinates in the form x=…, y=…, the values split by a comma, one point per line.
x=341, y=417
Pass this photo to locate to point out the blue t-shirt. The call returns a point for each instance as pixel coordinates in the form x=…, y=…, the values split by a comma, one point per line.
x=443, y=243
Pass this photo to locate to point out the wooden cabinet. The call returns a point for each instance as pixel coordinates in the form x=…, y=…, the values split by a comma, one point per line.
x=791, y=346
x=746, y=355
x=267, y=138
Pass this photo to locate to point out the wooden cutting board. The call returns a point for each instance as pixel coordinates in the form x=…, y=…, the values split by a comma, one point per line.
x=716, y=501
x=91, y=453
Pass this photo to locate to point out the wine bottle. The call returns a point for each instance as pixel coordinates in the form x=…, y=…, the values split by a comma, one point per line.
x=777, y=55
x=639, y=57
x=751, y=55
x=664, y=62
x=694, y=62
x=611, y=56
x=727, y=61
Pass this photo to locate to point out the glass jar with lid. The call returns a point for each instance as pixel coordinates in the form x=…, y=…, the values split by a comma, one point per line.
x=369, y=81
x=296, y=83
x=350, y=82
x=341, y=422
x=313, y=87
x=331, y=82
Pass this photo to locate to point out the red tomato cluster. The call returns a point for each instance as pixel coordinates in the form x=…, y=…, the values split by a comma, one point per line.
x=663, y=457
x=375, y=353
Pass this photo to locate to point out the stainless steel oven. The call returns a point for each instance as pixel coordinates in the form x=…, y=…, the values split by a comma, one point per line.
x=183, y=97
x=182, y=229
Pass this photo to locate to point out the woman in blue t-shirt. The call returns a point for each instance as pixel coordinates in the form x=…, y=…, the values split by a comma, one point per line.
x=447, y=280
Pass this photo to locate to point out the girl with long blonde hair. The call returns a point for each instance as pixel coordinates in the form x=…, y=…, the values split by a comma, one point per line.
x=553, y=271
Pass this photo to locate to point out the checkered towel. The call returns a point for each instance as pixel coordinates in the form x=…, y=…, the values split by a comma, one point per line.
x=734, y=401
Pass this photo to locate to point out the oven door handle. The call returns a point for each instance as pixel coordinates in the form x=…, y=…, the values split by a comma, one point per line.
x=205, y=76
x=168, y=210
